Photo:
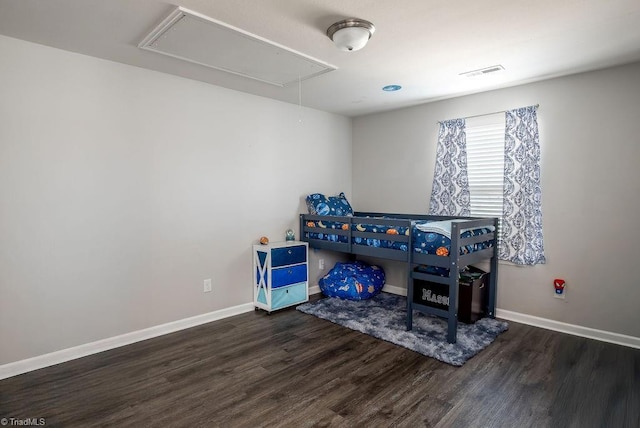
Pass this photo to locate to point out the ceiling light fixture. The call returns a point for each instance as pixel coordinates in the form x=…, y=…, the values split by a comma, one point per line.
x=351, y=34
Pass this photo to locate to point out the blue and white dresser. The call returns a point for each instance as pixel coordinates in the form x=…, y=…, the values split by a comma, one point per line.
x=281, y=275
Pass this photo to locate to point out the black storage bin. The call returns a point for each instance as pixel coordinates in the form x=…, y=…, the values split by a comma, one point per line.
x=472, y=294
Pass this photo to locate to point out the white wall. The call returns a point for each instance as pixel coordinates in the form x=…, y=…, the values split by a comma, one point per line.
x=122, y=189
x=590, y=137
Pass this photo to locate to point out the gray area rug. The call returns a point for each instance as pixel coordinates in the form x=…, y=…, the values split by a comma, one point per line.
x=384, y=316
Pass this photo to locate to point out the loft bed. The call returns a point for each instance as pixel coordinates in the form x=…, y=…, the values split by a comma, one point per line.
x=407, y=238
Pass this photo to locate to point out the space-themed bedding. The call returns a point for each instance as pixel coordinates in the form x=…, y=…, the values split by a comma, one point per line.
x=328, y=234
x=427, y=236
x=434, y=237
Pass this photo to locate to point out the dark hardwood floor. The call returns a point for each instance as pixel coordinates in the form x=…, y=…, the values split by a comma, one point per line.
x=291, y=369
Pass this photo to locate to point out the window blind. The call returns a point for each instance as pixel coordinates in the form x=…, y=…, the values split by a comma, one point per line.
x=485, y=163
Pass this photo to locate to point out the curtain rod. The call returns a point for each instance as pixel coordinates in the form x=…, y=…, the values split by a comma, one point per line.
x=486, y=114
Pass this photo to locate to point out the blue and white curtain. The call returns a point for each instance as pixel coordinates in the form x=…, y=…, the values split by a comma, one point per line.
x=521, y=235
x=450, y=191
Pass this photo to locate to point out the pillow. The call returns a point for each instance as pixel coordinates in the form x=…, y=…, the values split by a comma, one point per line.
x=319, y=204
x=340, y=206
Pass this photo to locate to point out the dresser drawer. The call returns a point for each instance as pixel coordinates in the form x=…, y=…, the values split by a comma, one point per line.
x=288, y=255
x=288, y=296
x=288, y=275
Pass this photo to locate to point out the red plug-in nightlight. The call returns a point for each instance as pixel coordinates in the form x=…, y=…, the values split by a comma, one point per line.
x=559, y=285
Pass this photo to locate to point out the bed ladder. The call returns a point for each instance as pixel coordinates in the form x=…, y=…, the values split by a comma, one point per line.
x=451, y=315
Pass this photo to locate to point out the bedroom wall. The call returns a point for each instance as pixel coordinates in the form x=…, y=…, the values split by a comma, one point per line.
x=590, y=138
x=122, y=189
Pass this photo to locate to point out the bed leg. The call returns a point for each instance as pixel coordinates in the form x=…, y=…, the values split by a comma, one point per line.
x=409, y=299
x=493, y=281
x=454, y=272
x=493, y=276
x=452, y=329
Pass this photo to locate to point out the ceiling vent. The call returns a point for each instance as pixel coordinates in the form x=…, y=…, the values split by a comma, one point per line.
x=483, y=71
x=196, y=38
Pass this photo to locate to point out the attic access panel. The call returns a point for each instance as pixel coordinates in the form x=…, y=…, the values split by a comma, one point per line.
x=196, y=38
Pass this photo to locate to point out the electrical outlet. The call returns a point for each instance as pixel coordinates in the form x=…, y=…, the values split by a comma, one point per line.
x=560, y=296
x=321, y=264
x=207, y=285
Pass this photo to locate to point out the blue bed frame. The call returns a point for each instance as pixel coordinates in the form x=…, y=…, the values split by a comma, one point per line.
x=454, y=261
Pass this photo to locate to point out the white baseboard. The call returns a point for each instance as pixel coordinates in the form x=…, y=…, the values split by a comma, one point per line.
x=41, y=361
x=576, y=330
x=401, y=291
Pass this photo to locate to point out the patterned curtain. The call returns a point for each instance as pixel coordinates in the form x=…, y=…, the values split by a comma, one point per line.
x=450, y=190
x=521, y=234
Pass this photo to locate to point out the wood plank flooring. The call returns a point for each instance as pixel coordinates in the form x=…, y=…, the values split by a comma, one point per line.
x=290, y=369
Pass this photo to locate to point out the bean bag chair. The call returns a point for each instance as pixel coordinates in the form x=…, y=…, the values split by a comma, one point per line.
x=353, y=281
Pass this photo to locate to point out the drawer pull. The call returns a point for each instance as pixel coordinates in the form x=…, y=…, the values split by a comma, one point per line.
x=290, y=252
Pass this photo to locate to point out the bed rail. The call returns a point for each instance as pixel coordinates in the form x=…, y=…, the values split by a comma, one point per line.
x=320, y=224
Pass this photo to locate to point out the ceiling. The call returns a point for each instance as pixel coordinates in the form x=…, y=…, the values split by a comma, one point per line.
x=422, y=45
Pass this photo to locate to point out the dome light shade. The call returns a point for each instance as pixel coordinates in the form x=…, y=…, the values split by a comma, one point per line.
x=351, y=34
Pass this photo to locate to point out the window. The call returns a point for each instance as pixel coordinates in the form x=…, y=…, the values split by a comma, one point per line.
x=489, y=166
x=485, y=164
